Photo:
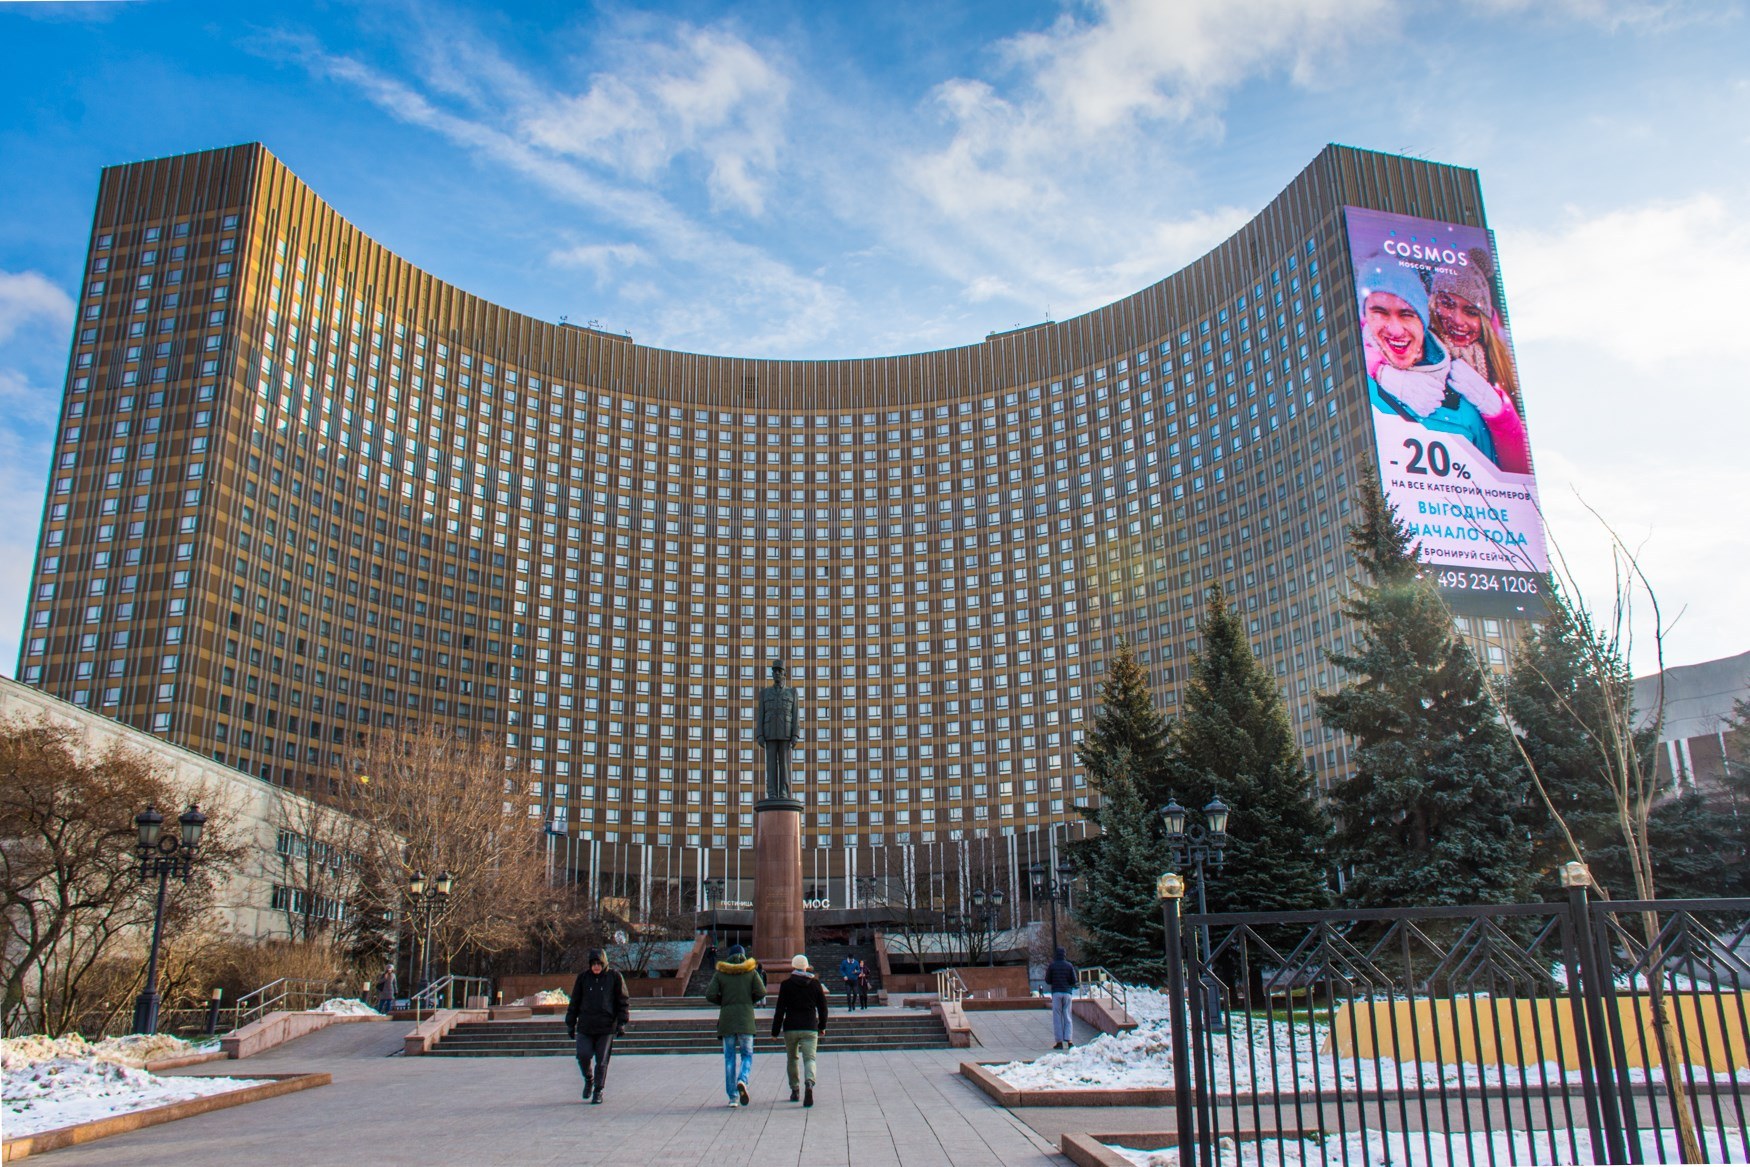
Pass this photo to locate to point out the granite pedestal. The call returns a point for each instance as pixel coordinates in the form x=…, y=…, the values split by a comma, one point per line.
x=777, y=913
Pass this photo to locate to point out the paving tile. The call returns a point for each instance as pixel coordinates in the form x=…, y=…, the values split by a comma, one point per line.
x=872, y=1110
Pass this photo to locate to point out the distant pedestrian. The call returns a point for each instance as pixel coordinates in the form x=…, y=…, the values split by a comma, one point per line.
x=863, y=985
x=800, y=1019
x=1060, y=979
x=711, y=955
x=599, y=1009
x=848, y=968
x=735, y=988
x=386, y=990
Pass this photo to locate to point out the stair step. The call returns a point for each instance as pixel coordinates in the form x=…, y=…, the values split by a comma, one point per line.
x=688, y=1035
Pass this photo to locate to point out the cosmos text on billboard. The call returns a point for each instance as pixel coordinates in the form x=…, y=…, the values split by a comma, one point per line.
x=1448, y=418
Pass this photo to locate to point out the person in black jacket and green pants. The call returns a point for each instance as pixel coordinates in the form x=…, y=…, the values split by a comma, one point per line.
x=800, y=1019
x=597, y=1014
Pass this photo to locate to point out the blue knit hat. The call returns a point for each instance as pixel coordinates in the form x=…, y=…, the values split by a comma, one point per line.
x=1385, y=273
x=737, y=953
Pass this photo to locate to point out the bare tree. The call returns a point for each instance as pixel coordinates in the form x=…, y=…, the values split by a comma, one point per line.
x=70, y=891
x=432, y=802
x=1599, y=701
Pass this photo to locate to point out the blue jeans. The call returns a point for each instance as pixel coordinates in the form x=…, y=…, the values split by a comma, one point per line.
x=737, y=1061
x=1061, y=1028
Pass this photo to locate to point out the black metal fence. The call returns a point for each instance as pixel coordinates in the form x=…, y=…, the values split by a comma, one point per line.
x=1578, y=1032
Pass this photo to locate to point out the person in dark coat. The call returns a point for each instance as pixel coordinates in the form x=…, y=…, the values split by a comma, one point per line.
x=386, y=990
x=1060, y=980
x=862, y=983
x=848, y=968
x=599, y=1009
x=800, y=1019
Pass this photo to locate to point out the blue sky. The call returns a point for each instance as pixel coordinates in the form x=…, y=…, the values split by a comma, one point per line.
x=806, y=180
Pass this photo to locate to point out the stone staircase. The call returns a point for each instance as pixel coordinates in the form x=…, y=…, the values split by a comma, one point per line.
x=857, y=1033
x=826, y=958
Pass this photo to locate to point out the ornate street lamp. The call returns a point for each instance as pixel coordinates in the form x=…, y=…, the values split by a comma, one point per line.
x=162, y=855
x=1198, y=844
x=987, y=907
x=1045, y=886
x=426, y=903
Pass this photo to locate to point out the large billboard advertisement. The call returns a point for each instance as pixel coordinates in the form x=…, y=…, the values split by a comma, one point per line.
x=1448, y=418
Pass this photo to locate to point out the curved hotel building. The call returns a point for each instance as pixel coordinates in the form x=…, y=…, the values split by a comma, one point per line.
x=303, y=489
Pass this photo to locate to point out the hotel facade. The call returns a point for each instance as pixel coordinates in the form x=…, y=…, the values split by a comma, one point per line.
x=303, y=490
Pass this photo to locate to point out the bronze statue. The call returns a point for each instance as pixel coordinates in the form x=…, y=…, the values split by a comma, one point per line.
x=777, y=725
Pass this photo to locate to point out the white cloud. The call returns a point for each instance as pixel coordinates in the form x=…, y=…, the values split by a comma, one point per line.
x=1625, y=322
x=35, y=318
x=1639, y=15
x=24, y=469
x=1643, y=283
x=30, y=300
x=497, y=127
x=1090, y=83
x=601, y=258
x=1053, y=177
x=1669, y=512
x=709, y=93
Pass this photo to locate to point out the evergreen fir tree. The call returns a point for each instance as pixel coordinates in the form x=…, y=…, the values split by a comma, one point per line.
x=1557, y=700
x=1127, y=721
x=1117, y=909
x=1123, y=755
x=1234, y=741
x=1434, y=811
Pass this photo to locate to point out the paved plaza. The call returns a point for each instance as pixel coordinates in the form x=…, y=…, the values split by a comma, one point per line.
x=875, y=1109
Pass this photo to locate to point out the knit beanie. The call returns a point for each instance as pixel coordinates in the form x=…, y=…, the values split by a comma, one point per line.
x=799, y=962
x=738, y=953
x=1384, y=273
x=1467, y=283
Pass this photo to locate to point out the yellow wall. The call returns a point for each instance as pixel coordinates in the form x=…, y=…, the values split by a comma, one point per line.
x=1465, y=1030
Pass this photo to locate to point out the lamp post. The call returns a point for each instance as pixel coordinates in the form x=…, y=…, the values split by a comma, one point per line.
x=1170, y=889
x=162, y=855
x=1045, y=882
x=987, y=906
x=425, y=904
x=1197, y=844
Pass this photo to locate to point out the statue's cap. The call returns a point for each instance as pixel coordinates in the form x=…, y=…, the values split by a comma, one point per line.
x=777, y=663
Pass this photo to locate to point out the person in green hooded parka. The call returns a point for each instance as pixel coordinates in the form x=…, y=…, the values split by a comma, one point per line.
x=735, y=988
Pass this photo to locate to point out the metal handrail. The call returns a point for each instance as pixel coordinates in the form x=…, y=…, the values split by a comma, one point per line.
x=293, y=993
x=950, y=986
x=1098, y=981
x=442, y=993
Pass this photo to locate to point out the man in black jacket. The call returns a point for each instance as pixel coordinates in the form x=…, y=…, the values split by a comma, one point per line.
x=598, y=1011
x=1060, y=979
x=800, y=1017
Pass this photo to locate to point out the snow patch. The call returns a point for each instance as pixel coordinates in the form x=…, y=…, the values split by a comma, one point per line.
x=55, y=1082
x=546, y=997
x=346, y=1007
x=18, y=1054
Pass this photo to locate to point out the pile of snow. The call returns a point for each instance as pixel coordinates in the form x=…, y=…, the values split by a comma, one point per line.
x=1145, y=1004
x=18, y=1054
x=1437, y=1148
x=1138, y=1058
x=346, y=1007
x=546, y=997
x=56, y=1082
